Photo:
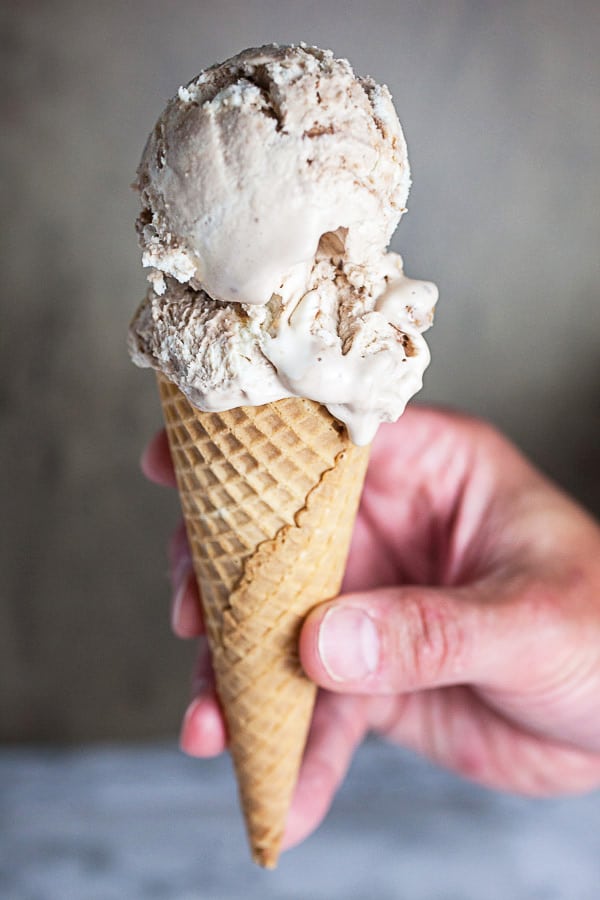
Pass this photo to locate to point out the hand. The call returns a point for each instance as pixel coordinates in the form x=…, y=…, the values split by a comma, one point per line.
x=469, y=629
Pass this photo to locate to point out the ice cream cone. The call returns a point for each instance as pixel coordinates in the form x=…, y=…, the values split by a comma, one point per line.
x=269, y=495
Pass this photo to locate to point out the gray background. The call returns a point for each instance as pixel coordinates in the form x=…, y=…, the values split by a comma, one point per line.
x=501, y=107
x=145, y=823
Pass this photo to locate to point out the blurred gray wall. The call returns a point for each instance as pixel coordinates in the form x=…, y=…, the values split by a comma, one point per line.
x=501, y=107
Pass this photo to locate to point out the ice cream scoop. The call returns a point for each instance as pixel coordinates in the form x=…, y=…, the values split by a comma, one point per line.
x=270, y=188
x=256, y=159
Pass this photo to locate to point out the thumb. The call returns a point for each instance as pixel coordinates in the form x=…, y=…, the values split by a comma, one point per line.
x=392, y=640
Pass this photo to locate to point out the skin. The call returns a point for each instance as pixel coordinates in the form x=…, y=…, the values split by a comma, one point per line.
x=468, y=628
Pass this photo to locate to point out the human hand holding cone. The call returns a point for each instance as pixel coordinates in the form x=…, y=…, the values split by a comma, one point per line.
x=270, y=188
x=269, y=495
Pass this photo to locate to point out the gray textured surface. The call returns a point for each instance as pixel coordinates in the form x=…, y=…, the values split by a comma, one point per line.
x=501, y=107
x=149, y=824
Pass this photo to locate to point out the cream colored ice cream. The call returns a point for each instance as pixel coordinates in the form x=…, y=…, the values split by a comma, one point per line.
x=270, y=188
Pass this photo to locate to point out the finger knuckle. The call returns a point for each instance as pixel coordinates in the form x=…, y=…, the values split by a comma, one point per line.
x=436, y=641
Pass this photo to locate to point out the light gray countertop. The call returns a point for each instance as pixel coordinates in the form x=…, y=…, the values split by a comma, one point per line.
x=143, y=821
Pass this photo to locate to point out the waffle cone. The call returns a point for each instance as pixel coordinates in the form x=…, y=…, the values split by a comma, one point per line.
x=269, y=496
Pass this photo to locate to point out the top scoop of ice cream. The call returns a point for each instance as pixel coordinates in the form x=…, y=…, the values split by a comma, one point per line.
x=257, y=158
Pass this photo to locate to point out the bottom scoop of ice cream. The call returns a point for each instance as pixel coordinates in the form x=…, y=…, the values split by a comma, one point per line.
x=353, y=346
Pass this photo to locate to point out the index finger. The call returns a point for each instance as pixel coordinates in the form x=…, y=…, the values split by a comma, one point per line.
x=156, y=461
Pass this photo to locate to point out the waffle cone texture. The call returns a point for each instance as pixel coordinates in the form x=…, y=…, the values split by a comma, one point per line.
x=269, y=496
